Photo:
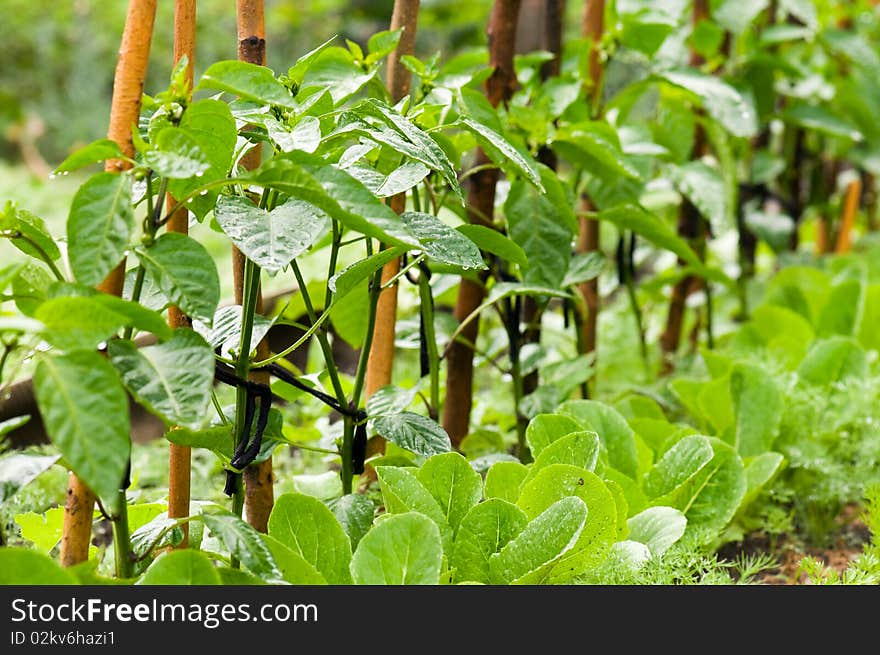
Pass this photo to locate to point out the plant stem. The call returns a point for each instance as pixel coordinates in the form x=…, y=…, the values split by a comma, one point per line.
x=427, y=308
x=136, y=295
x=418, y=259
x=44, y=256
x=122, y=540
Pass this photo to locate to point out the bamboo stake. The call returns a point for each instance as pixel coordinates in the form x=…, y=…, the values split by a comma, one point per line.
x=481, y=202
x=258, y=478
x=588, y=232
x=128, y=85
x=848, y=218
x=380, y=364
x=179, y=457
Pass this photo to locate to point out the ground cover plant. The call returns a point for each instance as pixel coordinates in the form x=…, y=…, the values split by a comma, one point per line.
x=589, y=304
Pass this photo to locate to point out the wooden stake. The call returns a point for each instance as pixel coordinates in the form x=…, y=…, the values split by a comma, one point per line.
x=848, y=219
x=128, y=86
x=180, y=457
x=258, y=478
x=481, y=202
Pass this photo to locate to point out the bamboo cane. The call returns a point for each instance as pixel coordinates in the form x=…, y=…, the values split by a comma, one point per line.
x=258, y=478
x=128, y=84
x=848, y=218
x=179, y=457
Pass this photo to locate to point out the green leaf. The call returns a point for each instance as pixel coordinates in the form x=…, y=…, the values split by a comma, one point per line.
x=658, y=232
x=613, y=430
x=537, y=225
x=35, y=236
x=217, y=439
x=44, y=530
x=833, y=360
x=308, y=527
x=495, y=242
x=337, y=193
x=558, y=481
x=135, y=315
x=349, y=278
x=418, y=434
x=528, y=557
x=96, y=151
x=173, y=379
x=453, y=483
x=294, y=567
x=584, y=266
x=210, y=123
x=335, y=69
x=403, y=492
x=484, y=531
x=704, y=187
x=504, y=479
x=77, y=323
x=760, y=471
x=22, y=566
x=181, y=567
x=579, y=449
x=85, y=411
x=426, y=150
x=248, y=82
x=842, y=311
x=710, y=499
x=403, y=549
x=355, y=513
x=658, y=528
x=595, y=146
x=544, y=429
x=185, y=271
x=503, y=153
x=758, y=407
x=442, y=243
x=724, y=103
x=242, y=542
x=99, y=226
x=177, y=155
x=382, y=44
x=271, y=239
x=678, y=465
x=17, y=470
x=403, y=178
x=817, y=119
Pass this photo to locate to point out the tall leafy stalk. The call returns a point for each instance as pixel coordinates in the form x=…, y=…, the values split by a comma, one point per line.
x=257, y=493
x=131, y=70
x=179, y=456
x=481, y=207
x=380, y=364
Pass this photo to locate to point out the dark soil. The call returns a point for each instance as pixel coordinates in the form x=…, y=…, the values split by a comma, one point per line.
x=789, y=550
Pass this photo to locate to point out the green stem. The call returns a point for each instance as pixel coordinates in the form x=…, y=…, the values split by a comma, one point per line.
x=334, y=255
x=136, y=295
x=122, y=540
x=415, y=262
x=710, y=331
x=427, y=307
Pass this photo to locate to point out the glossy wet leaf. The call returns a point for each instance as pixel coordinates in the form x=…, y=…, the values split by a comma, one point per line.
x=225, y=331
x=404, y=549
x=723, y=102
x=402, y=491
x=579, y=449
x=177, y=155
x=453, y=483
x=308, y=527
x=181, y=567
x=23, y=566
x=678, y=465
x=185, y=271
x=95, y=152
x=502, y=152
x=271, y=239
x=442, y=243
x=584, y=266
x=100, y=225
x=85, y=411
x=558, y=481
x=247, y=81
x=77, y=323
x=484, y=531
x=494, y=242
x=504, y=479
x=28, y=233
x=242, y=541
x=544, y=429
x=529, y=557
x=658, y=528
x=293, y=566
x=355, y=513
x=613, y=430
x=173, y=379
x=18, y=469
x=416, y=433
